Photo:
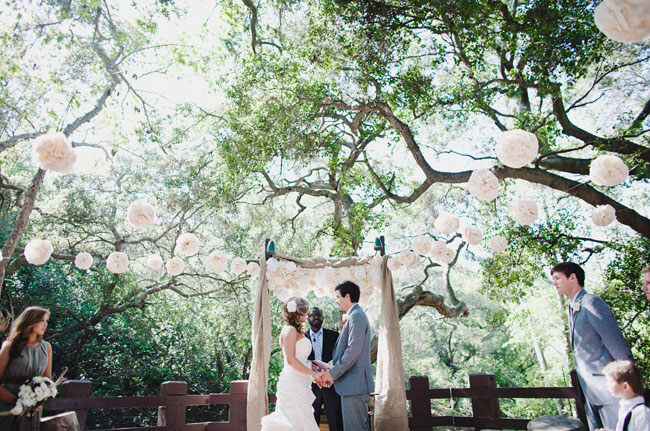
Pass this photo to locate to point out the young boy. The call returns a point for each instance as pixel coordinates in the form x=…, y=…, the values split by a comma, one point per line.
x=624, y=381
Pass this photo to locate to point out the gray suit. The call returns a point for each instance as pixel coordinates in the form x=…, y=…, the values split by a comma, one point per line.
x=596, y=341
x=352, y=371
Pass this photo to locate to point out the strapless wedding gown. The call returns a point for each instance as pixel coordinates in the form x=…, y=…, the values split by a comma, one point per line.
x=293, y=408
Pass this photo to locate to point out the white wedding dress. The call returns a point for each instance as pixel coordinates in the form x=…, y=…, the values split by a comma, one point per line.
x=293, y=407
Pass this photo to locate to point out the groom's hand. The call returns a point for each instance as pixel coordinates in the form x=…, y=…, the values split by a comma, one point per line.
x=327, y=379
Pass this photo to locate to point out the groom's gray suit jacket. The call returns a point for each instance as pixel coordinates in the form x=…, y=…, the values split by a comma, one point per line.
x=351, y=369
x=596, y=341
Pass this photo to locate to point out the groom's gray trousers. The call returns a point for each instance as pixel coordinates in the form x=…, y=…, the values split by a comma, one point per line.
x=355, y=412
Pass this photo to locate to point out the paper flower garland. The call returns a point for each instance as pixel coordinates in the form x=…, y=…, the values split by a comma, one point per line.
x=524, y=211
x=187, y=244
x=603, y=215
x=472, y=235
x=516, y=148
x=483, y=185
x=624, y=20
x=498, y=243
x=140, y=214
x=175, y=266
x=607, y=170
x=38, y=251
x=53, y=152
x=446, y=223
x=83, y=260
x=154, y=261
x=117, y=262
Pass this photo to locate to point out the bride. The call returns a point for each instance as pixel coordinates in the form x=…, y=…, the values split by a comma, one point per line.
x=293, y=407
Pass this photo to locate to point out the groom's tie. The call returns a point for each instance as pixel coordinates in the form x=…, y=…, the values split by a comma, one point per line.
x=318, y=348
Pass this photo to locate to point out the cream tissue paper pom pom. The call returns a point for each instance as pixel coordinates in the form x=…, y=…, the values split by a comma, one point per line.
x=608, y=170
x=498, y=243
x=603, y=215
x=472, y=235
x=83, y=260
x=483, y=185
x=438, y=247
x=625, y=21
x=38, y=251
x=394, y=264
x=53, y=152
x=408, y=258
x=422, y=245
x=524, y=211
x=253, y=269
x=238, y=265
x=154, y=261
x=217, y=261
x=446, y=223
x=140, y=214
x=117, y=262
x=447, y=255
x=175, y=266
x=516, y=148
x=187, y=244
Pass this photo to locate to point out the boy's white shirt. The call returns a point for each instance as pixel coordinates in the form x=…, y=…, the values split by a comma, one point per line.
x=640, y=420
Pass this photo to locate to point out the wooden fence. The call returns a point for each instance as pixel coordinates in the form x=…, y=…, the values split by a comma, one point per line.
x=174, y=400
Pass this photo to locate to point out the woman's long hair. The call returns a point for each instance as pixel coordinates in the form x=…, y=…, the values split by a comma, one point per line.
x=293, y=319
x=22, y=328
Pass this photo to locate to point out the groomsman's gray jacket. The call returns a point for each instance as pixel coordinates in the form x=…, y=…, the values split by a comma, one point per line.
x=352, y=371
x=596, y=341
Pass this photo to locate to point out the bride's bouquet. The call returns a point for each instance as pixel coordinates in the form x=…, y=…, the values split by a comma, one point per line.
x=34, y=393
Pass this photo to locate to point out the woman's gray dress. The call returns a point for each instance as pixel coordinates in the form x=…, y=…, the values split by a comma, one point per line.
x=31, y=363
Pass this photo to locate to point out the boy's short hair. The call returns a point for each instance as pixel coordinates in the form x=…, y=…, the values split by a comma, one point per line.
x=349, y=287
x=625, y=372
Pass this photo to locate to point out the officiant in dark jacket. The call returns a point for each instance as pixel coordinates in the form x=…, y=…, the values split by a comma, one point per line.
x=323, y=341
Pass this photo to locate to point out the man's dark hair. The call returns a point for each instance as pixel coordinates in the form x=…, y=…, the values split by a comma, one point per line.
x=315, y=309
x=348, y=287
x=568, y=268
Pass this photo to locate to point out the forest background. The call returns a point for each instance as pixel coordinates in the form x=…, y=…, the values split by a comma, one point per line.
x=321, y=125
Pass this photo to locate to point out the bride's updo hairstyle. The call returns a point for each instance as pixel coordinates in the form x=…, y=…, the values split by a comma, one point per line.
x=293, y=309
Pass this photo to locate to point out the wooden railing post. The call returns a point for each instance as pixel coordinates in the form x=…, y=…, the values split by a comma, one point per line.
x=172, y=414
x=418, y=394
x=237, y=408
x=580, y=399
x=484, y=406
x=77, y=389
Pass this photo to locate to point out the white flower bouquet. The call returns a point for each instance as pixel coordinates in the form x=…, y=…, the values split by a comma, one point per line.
x=34, y=393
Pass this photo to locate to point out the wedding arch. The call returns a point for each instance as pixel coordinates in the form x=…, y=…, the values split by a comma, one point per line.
x=321, y=274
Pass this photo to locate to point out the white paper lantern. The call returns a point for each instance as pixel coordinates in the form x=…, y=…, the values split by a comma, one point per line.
x=238, y=265
x=483, y=185
x=625, y=21
x=472, y=235
x=117, y=262
x=446, y=223
x=607, y=170
x=175, y=266
x=524, y=211
x=516, y=148
x=217, y=261
x=422, y=245
x=140, y=214
x=154, y=261
x=53, y=152
x=187, y=244
x=83, y=260
x=498, y=243
x=38, y=251
x=603, y=215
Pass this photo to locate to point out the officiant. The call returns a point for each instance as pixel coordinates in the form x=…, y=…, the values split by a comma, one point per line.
x=323, y=341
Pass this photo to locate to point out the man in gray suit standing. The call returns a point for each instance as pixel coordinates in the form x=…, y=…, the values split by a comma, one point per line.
x=596, y=341
x=351, y=372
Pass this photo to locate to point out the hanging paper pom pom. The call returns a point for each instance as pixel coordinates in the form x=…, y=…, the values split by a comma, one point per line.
x=408, y=258
x=607, y=170
x=53, y=152
x=422, y=245
x=524, y=211
x=625, y=21
x=447, y=255
x=140, y=214
x=483, y=185
x=175, y=266
x=238, y=265
x=603, y=215
x=83, y=260
x=187, y=244
x=38, y=251
x=446, y=223
x=117, y=262
x=217, y=261
x=253, y=269
x=472, y=235
x=498, y=243
x=516, y=148
x=154, y=261
x=394, y=264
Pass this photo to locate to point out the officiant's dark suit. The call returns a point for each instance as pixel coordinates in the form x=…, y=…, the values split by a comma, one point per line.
x=325, y=339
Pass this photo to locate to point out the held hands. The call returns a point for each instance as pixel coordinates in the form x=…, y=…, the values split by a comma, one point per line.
x=324, y=379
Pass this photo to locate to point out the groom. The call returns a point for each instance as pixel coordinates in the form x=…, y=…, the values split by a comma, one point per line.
x=351, y=372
